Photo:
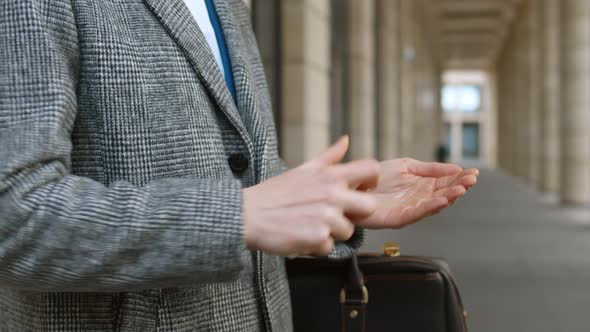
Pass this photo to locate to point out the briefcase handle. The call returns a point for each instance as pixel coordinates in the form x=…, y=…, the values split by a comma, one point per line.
x=355, y=285
x=355, y=296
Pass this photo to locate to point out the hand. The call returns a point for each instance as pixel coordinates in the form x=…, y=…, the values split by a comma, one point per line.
x=306, y=209
x=410, y=190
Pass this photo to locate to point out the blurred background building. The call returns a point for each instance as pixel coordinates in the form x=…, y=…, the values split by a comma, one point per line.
x=502, y=84
x=483, y=77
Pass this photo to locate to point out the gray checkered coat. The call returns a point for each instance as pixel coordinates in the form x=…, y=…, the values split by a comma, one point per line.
x=118, y=209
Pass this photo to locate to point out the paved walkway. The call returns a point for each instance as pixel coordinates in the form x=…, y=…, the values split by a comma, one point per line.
x=522, y=263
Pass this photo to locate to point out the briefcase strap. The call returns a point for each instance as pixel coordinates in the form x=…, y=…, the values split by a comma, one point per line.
x=353, y=300
x=353, y=317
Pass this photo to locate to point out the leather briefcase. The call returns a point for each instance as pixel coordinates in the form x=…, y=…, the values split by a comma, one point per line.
x=374, y=293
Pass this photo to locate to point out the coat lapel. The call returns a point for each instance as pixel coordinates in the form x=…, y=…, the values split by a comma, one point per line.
x=247, y=97
x=182, y=27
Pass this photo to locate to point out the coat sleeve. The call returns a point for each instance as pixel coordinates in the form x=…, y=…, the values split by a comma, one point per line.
x=61, y=232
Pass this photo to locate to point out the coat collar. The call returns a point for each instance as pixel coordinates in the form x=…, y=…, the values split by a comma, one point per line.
x=247, y=96
x=184, y=30
x=182, y=27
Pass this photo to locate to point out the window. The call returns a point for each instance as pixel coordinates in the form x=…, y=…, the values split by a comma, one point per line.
x=471, y=140
x=461, y=98
x=448, y=143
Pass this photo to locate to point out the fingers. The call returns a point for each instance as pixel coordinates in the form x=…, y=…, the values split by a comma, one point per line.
x=445, y=182
x=428, y=208
x=358, y=173
x=467, y=179
x=320, y=237
x=334, y=154
x=316, y=236
x=435, y=170
x=452, y=193
x=341, y=229
x=325, y=248
x=357, y=204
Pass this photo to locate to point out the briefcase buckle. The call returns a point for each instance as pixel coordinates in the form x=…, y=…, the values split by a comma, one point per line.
x=391, y=249
x=365, y=295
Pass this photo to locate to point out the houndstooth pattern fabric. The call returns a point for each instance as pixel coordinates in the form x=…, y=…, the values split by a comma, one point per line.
x=118, y=209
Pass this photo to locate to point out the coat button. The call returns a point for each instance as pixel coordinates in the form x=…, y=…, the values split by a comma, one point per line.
x=238, y=163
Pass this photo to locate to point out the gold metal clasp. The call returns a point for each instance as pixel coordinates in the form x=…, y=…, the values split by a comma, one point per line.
x=365, y=295
x=391, y=249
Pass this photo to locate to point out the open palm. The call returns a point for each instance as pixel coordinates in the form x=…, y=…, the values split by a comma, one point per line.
x=409, y=190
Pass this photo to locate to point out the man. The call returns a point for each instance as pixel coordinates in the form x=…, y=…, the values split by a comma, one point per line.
x=140, y=185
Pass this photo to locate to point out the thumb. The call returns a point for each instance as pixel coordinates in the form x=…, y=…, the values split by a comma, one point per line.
x=335, y=153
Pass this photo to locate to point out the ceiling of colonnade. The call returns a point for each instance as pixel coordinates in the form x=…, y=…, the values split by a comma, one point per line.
x=469, y=34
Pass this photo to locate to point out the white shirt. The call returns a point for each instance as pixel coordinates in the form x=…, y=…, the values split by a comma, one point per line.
x=199, y=10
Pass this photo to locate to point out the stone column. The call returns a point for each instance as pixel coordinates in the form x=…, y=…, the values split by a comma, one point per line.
x=535, y=72
x=305, y=79
x=361, y=81
x=575, y=113
x=420, y=124
x=502, y=109
x=266, y=21
x=511, y=97
x=550, y=137
x=490, y=130
x=521, y=119
x=408, y=102
x=514, y=116
x=506, y=104
x=388, y=77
